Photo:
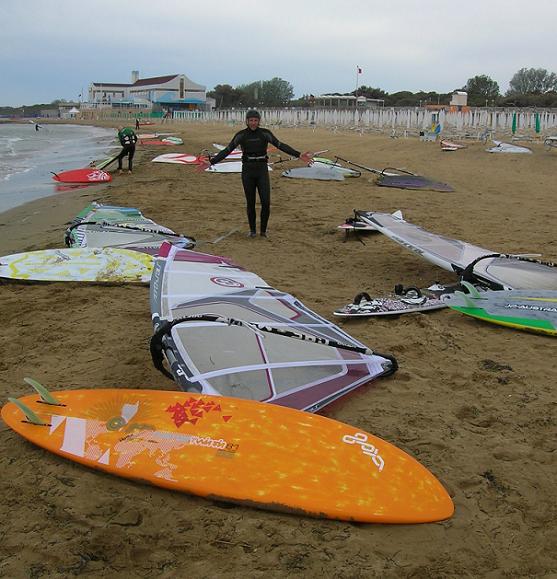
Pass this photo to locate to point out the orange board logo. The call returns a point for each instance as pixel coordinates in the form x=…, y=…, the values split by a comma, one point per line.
x=193, y=410
x=367, y=448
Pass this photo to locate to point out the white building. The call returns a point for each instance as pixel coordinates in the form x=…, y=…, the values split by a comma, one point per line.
x=335, y=101
x=459, y=99
x=174, y=92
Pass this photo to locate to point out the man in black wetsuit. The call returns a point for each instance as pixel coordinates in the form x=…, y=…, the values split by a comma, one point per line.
x=253, y=141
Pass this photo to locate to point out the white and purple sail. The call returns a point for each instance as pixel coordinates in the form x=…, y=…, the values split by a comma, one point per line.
x=223, y=330
x=483, y=266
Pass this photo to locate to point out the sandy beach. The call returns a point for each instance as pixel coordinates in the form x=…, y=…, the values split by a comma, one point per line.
x=475, y=403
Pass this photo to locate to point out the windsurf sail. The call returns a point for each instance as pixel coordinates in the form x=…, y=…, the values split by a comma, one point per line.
x=402, y=179
x=317, y=172
x=322, y=169
x=224, y=330
x=114, y=214
x=412, y=182
x=500, y=147
x=473, y=263
x=335, y=166
x=450, y=145
x=125, y=227
x=91, y=234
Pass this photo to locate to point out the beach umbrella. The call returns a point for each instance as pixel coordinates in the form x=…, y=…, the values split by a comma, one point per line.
x=514, y=124
x=538, y=127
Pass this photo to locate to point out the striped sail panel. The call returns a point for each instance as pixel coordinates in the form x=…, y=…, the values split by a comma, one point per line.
x=238, y=359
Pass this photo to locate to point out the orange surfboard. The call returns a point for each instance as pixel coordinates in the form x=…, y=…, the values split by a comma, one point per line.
x=242, y=451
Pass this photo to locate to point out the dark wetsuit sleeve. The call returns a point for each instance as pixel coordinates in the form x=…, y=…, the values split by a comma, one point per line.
x=282, y=146
x=227, y=150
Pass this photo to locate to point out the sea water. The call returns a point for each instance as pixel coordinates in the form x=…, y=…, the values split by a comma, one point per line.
x=28, y=157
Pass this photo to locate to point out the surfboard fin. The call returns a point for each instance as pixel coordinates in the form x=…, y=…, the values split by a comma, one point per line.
x=29, y=414
x=472, y=291
x=41, y=390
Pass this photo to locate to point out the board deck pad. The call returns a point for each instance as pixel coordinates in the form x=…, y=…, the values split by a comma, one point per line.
x=101, y=265
x=242, y=451
x=429, y=298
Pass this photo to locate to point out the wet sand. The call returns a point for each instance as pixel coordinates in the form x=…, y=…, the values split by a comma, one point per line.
x=475, y=403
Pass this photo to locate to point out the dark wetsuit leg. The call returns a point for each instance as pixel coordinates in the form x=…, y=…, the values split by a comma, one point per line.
x=255, y=177
x=127, y=151
x=264, y=188
x=249, y=181
x=131, y=153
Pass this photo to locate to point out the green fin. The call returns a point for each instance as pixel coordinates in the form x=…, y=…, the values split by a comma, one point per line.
x=45, y=395
x=472, y=291
x=29, y=414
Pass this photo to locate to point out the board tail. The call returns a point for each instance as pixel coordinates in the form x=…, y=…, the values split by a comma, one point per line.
x=29, y=414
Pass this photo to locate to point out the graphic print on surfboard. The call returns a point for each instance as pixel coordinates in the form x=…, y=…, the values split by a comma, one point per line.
x=302, y=361
x=402, y=301
x=241, y=451
x=178, y=158
x=531, y=310
x=101, y=265
x=86, y=175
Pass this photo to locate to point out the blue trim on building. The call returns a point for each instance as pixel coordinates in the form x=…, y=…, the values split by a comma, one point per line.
x=179, y=101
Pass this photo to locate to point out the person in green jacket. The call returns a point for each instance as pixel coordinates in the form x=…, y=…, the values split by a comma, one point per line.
x=128, y=139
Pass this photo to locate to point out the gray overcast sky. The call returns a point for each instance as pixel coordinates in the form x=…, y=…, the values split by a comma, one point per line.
x=54, y=49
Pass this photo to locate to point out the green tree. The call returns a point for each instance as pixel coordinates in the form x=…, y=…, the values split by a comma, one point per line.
x=532, y=81
x=249, y=94
x=481, y=88
x=225, y=96
x=267, y=93
x=403, y=98
x=369, y=92
x=276, y=92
